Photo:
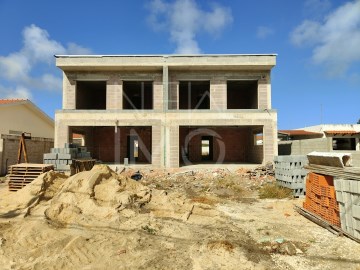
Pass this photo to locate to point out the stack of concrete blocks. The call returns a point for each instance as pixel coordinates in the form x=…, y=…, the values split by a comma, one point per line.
x=63, y=158
x=290, y=173
x=348, y=197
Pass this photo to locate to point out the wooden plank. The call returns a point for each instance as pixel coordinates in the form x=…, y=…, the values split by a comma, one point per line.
x=323, y=223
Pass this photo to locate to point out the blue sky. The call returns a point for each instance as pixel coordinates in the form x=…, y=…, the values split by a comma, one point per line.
x=316, y=80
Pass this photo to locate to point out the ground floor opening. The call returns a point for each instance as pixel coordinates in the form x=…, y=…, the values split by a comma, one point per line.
x=116, y=144
x=220, y=144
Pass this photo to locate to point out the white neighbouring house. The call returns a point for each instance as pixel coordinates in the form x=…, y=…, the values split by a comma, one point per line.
x=21, y=115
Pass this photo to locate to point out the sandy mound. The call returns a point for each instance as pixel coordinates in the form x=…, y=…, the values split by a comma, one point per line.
x=42, y=188
x=96, y=195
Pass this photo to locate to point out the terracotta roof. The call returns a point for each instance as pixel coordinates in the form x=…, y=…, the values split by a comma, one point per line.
x=298, y=132
x=77, y=136
x=342, y=132
x=9, y=101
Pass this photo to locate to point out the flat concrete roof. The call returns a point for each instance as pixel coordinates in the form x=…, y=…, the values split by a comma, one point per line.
x=174, y=62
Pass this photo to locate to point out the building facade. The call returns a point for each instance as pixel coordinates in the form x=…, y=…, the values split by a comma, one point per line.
x=18, y=116
x=169, y=110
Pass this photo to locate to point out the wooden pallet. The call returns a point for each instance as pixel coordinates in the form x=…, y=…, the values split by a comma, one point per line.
x=20, y=175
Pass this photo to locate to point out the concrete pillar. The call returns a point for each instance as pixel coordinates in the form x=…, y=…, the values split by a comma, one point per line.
x=113, y=93
x=165, y=81
x=173, y=90
x=264, y=92
x=69, y=92
x=270, y=141
x=218, y=94
x=157, y=146
x=61, y=134
x=158, y=93
x=173, y=159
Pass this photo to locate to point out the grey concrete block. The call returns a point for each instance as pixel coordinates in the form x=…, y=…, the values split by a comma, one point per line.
x=347, y=198
x=357, y=234
x=356, y=223
x=356, y=211
x=355, y=199
x=64, y=156
x=342, y=208
x=50, y=156
x=62, y=167
x=342, y=221
x=338, y=184
x=348, y=219
x=350, y=230
x=346, y=185
x=353, y=186
x=339, y=196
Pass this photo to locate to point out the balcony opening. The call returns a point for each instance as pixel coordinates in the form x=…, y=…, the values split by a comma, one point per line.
x=242, y=94
x=194, y=95
x=344, y=143
x=91, y=95
x=137, y=95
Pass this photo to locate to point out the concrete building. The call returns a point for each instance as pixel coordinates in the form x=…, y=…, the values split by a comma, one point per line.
x=169, y=110
x=21, y=115
x=325, y=138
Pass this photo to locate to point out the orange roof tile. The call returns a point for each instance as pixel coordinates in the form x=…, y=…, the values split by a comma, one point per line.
x=9, y=101
x=342, y=132
x=77, y=136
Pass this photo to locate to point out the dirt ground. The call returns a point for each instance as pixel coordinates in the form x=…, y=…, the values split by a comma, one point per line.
x=204, y=219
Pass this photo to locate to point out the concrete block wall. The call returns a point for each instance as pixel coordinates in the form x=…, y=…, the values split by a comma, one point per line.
x=290, y=172
x=348, y=197
x=35, y=147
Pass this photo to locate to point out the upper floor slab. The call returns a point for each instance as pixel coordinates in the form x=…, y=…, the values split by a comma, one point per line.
x=173, y=62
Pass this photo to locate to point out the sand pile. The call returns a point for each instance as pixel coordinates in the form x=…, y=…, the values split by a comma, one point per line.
x=43, y=188
x=95, y=196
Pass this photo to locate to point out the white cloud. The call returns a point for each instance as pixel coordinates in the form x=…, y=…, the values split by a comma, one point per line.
x=184, y=20
x=317, y=8
x=38, y=46
x=74, y=48
x=335, y=40
x=263, y=32
x=38, y=51
x=18, y=92
x=14, y=66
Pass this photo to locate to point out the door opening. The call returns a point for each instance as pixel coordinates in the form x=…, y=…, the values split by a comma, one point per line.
x=133, y=148
x=207, y=148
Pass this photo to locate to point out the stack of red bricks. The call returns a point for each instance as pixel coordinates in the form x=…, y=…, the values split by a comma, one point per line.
x=320, y=197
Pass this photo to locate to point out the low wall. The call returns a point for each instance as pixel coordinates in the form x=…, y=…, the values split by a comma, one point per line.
x=9, y=146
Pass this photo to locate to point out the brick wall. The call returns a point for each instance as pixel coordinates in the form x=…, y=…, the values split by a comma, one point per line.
x=102, y=146
x=35, y=147
x=230, y=144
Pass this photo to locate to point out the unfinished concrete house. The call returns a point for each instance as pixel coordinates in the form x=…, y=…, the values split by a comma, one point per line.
x=169, y=110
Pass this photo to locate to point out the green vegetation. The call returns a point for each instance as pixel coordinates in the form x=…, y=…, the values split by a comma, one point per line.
x=273, y=191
